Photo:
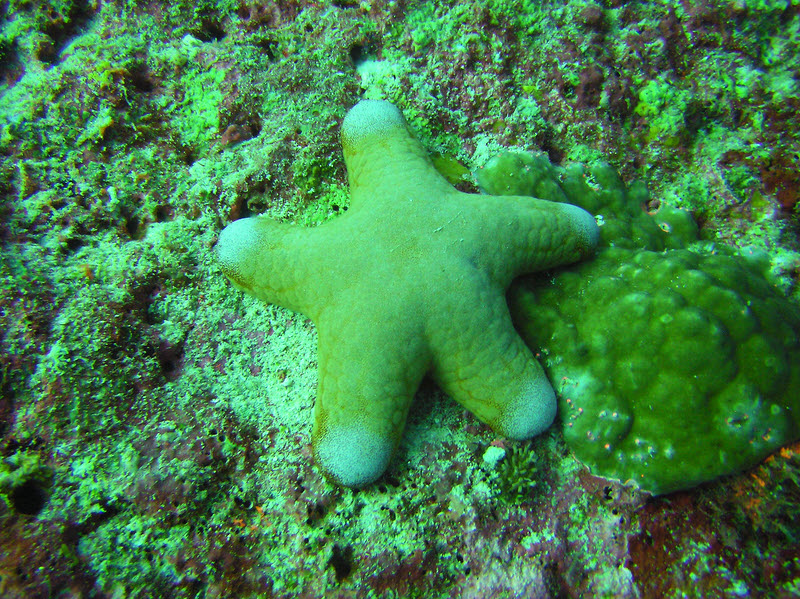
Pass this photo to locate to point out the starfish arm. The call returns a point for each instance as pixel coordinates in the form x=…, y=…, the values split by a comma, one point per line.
x=482, y=363
x=265, y=258
x=370, y=365
x=529, y=235
x=385, y=162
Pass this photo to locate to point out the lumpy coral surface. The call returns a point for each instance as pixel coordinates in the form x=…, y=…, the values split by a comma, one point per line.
x=674, y=366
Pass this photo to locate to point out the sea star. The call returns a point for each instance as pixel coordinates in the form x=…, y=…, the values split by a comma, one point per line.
x=410, y=280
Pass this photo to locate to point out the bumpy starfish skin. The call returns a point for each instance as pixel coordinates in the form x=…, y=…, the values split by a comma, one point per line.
x=410, y=280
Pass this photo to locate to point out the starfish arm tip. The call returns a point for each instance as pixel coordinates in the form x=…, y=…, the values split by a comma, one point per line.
x=235, y=247
x=259, y=256
x=531, y=412
x=584, y=227
x=369, y=118
x=353, y=456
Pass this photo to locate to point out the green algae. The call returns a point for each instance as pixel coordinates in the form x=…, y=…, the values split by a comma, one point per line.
x=673, y=366
x=520, y=474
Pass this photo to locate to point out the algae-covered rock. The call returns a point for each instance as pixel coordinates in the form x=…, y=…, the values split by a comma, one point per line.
x=673, y=366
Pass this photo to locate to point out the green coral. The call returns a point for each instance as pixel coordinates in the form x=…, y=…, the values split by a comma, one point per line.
x=673, y=368
x=673, y=365
x=619, y=210
x=520, y=473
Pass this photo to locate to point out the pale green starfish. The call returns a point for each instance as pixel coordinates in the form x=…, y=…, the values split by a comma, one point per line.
x=410, y=280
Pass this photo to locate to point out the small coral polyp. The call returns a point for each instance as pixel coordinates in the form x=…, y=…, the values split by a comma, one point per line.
x=672, y=366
